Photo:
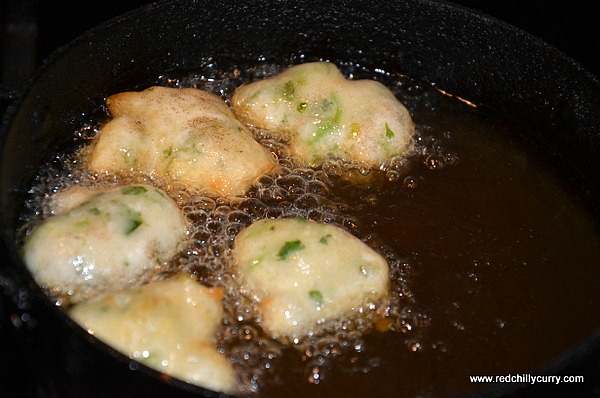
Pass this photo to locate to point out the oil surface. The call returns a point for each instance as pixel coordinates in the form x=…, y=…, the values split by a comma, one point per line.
x=494, y=258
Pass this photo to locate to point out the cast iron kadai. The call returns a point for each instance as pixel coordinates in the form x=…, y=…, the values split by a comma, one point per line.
x=473, y=56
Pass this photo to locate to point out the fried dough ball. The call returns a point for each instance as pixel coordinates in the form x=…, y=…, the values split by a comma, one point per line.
x=70, y=197
x=187, y=136
x=302, y=273
x=327, y=115
x=111, y=240
x=168, y=325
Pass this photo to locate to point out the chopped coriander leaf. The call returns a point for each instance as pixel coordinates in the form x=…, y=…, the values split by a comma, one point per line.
x=301, y=107
x=325, y=239
x=338, y=115
x=288, y=91
x=326, y=105
x=289, y=247
x=324, y=128
x=316, y=295
x=134, y=221
x=94, y=211
x=82, y=223
x=133, y=190
x=388, y=132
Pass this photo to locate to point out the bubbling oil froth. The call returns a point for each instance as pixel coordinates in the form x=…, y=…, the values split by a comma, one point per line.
x=214, y=224
x=293, y=192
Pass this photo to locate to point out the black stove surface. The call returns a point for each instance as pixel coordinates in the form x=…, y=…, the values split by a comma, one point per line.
x=32, y=29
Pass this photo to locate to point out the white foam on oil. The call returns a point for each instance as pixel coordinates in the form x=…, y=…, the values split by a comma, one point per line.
x=215, y=222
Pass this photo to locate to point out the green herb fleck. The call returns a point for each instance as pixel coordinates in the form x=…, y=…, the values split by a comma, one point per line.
x=289, y=247
x=133, y=190
x=338, y=115
x=289, y=91
x=167, y=152
x=388, y=132
x=134, y=220
x=326, y=105
x=332, y=106
x=132, y=225
x=326, y=127
x=82, y=223
x=317, y=296
x=94, y=211
x=301, y=107
x=325, y=239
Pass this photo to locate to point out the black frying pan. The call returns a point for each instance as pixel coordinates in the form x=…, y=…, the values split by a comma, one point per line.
x=467, y=54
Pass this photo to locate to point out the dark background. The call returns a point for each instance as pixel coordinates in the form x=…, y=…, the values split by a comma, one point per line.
x=45, y=25
x=31, y=30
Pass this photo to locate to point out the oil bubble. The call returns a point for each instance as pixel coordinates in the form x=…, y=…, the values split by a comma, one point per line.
x=392, y=175
x=414, y=345
x=434, y=162
x=294, y=191
x=410, y=182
